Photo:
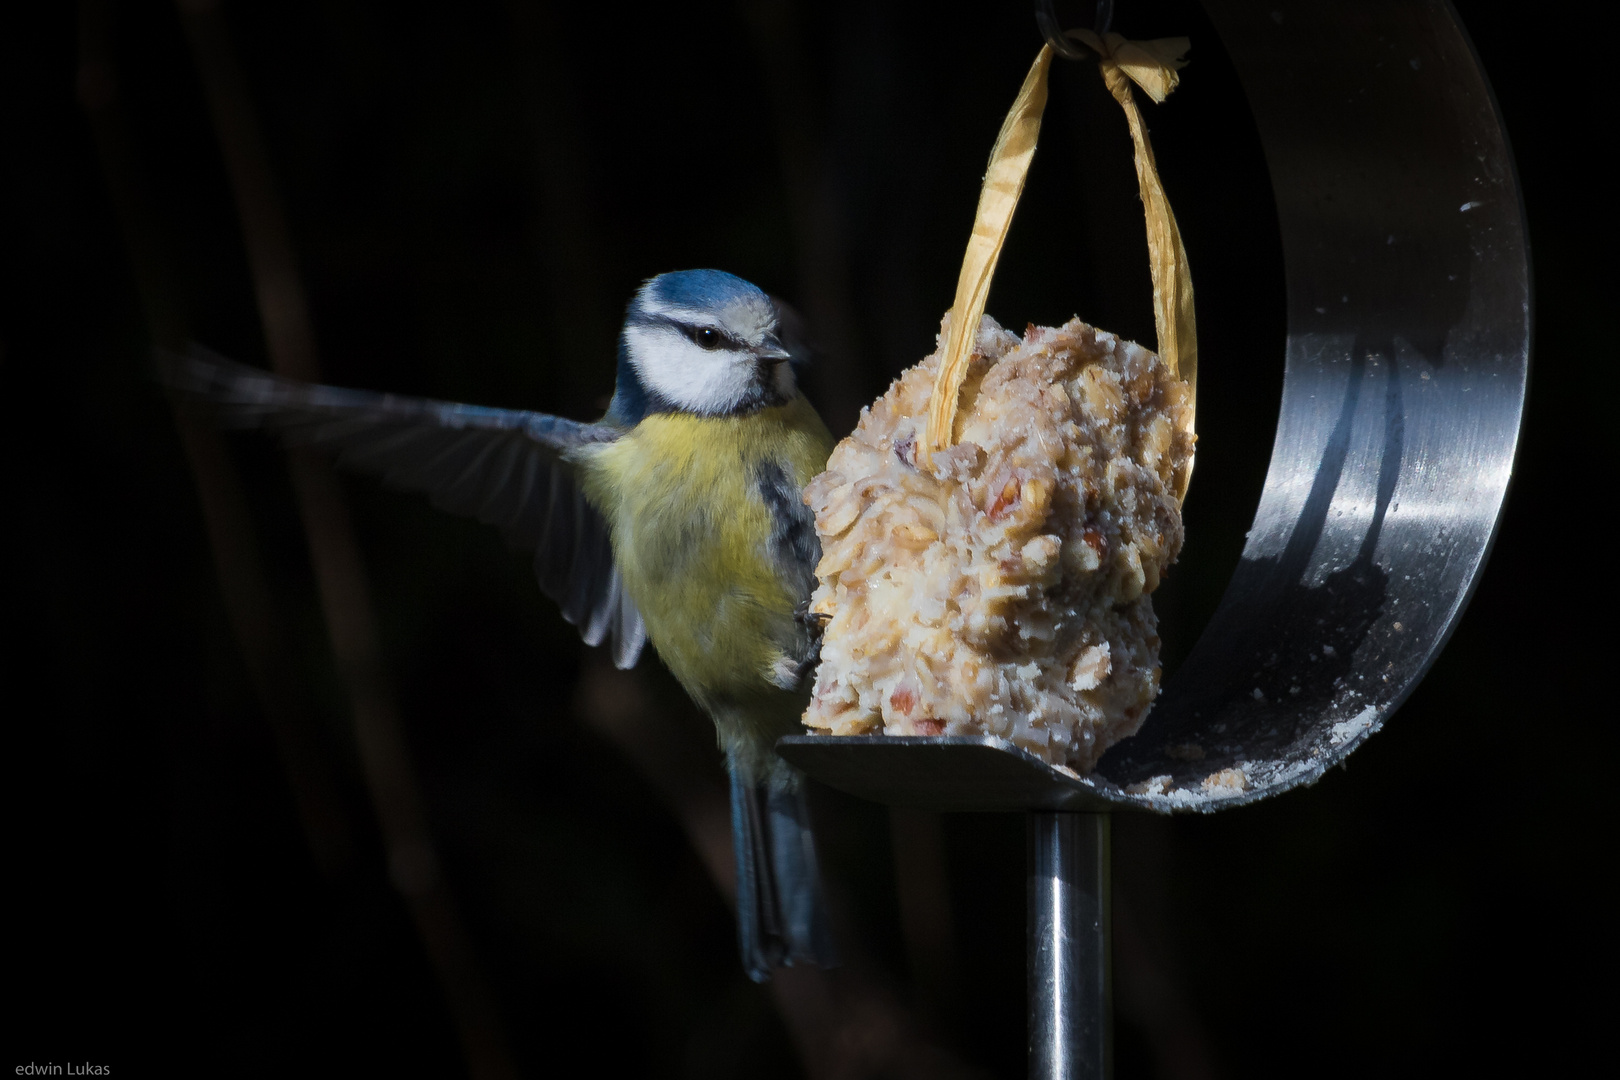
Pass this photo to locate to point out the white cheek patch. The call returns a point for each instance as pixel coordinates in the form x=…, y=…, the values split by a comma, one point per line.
x=706, y=381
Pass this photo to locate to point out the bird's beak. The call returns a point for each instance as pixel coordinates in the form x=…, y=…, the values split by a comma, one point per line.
x=770, y=351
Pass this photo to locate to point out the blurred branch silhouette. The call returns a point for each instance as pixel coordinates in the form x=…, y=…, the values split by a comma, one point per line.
x=818, y=219
x=335, y=553
x=237, y=564
x=583, y=319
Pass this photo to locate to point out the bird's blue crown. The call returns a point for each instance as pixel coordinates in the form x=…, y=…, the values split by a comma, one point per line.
x=698, y=290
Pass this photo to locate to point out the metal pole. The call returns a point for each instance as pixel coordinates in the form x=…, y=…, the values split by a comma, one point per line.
x=1071, y=994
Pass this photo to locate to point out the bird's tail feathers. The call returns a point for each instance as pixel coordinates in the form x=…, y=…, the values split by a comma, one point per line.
x=781, y=906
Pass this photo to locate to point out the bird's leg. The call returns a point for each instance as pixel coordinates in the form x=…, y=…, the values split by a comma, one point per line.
x=807, y=666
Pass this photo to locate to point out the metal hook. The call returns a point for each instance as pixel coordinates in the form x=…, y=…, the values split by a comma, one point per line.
x=1062, y=44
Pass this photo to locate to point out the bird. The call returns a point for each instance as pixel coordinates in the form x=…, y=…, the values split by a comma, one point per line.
x=676, y=519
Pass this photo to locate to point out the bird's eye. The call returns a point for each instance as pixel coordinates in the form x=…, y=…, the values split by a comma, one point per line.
x=708, y=337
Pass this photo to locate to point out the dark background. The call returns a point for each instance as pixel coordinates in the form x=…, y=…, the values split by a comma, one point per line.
x=473, y=190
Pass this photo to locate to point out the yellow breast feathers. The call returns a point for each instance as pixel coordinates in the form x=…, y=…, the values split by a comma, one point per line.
x=713, y=542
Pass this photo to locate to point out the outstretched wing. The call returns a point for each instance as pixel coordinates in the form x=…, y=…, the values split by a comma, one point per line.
x=501, y=466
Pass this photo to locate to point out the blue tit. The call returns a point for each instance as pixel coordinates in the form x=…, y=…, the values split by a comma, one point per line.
x=676, y=519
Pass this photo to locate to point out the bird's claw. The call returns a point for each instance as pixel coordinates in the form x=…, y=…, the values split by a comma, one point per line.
x=816, y=621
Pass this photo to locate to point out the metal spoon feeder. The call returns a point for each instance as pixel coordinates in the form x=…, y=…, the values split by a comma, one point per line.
x=1408, y=276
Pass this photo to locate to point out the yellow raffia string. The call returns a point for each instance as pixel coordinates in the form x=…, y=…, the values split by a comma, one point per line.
x=1152, y=65
x=998, y=198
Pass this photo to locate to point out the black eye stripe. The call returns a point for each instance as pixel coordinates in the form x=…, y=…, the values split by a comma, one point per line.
x=690, y=332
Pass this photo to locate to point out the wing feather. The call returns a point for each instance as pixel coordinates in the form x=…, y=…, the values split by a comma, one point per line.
x=505, y=467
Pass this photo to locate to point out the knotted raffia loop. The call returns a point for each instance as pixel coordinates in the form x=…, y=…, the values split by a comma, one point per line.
x=1152, y=65
x=1119, y=84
